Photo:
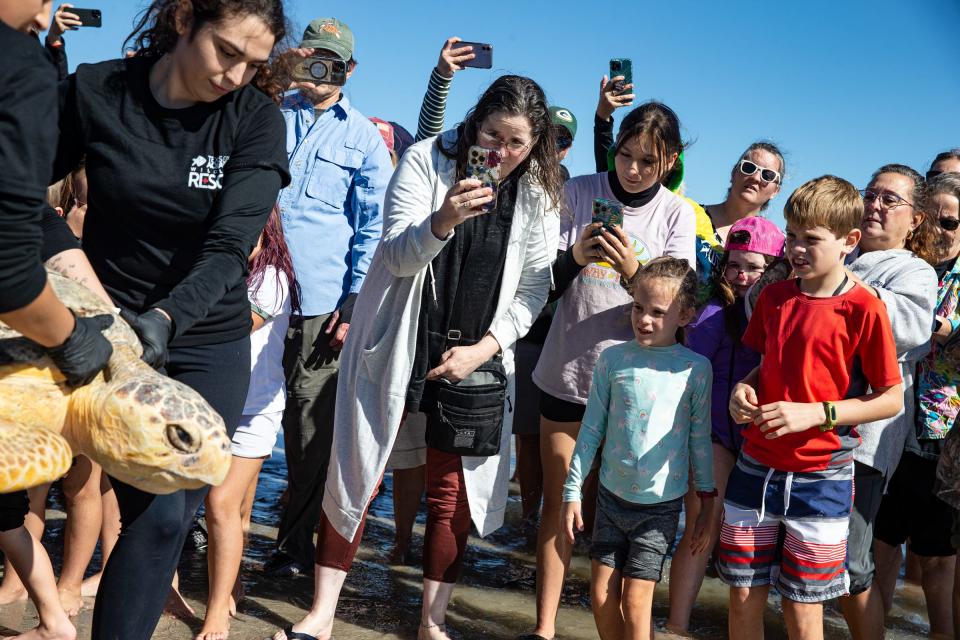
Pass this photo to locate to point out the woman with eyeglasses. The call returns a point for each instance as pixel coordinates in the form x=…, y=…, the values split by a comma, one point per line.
x=593, y=274
x=911, y=509
x=459, y=276
x=945, y=162
x=895, y=250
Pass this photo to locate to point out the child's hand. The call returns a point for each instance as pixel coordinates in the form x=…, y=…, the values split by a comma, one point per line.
x=571, y=519
x=618, y=251
x=780, y=418
x=701, y=528
x=743, y=403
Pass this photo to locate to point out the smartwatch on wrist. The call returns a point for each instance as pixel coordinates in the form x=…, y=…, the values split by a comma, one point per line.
x=830, y=411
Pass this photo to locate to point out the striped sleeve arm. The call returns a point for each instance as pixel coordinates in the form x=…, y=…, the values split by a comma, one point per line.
x=434, y=106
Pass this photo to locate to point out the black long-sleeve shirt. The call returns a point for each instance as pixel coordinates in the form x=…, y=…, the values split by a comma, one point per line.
x=602, y=141
x=176, y=197
x=28, y=113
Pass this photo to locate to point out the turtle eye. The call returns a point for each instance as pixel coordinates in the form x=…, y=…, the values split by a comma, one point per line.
x=181, y=439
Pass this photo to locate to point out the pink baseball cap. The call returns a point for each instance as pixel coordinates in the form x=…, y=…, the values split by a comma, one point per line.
x=386, y=131
x=756, y=234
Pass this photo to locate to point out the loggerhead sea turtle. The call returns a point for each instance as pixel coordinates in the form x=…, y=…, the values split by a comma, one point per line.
x=142, y=427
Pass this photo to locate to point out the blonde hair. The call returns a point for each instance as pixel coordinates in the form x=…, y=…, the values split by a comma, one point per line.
x=827, y=201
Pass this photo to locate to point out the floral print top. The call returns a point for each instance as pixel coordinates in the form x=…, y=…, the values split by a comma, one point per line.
x=938, y=375
x=652, y=404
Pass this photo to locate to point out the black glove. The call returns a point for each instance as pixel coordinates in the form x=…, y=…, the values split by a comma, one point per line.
x=154, y=329
x=85, y=352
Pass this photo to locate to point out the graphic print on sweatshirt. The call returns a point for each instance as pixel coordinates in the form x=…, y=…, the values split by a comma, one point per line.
x=206, y=172
x=603, y=274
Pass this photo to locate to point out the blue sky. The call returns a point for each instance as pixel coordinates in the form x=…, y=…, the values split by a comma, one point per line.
x=843, y=86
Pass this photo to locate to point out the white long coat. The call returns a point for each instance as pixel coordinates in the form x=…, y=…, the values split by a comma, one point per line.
x=377, y=359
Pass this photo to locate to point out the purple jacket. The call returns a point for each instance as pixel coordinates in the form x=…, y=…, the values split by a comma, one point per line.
x=732, y=361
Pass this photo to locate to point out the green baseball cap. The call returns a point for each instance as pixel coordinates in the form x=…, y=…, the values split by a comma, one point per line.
x=564, y=117
x=329, y=34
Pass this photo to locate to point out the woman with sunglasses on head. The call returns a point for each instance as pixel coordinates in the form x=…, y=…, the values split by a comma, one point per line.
x=184, y=150
x=910, y=509
x=459, y=276
x=896, y=246
x=945, y=162
x=593, y=274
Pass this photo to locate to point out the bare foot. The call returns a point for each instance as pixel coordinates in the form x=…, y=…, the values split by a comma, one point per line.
x=177, y=607
x=216, y=626
x=62, y=630
x=433, y=632
x=89, y=587
x=236, y=596
x=70, y=600
x=14, y=594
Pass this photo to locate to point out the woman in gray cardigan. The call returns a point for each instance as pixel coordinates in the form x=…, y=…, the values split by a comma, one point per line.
x=897, y=239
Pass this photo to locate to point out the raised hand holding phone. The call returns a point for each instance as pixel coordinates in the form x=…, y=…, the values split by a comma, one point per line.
x=464, y=200
x=454, y=56
x=615, y=91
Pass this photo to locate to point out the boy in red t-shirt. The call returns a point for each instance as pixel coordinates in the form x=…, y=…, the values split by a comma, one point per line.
x=823, y=338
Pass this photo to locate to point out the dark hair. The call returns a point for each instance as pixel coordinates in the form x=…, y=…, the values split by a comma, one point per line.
x=514, y=95
x=274, y=253
x=155, y=32
x=922, y=241
x=661, y=123
x=769, y=147
x=675, y=269
x=68, y=188
x=950, y=154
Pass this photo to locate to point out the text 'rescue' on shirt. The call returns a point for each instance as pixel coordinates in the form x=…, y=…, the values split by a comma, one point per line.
x=177, y=197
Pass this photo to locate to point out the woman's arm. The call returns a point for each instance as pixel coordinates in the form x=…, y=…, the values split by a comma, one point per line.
x=910, y=298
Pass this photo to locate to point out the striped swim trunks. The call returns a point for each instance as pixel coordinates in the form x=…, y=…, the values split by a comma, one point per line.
x=788, y=529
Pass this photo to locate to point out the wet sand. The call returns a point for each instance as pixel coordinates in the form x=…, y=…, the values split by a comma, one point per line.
x=495, y=597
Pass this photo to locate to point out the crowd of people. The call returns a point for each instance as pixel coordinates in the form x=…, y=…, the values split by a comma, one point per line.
x=789, y=393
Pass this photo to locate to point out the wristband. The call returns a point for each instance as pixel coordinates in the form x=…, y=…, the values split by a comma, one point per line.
x=830, y=411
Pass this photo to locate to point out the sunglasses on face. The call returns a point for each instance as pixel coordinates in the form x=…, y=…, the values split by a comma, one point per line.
x=950, y=224
x=749, y=168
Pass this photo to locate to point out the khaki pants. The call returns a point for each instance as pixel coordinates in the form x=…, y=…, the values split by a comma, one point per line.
x=311, y=368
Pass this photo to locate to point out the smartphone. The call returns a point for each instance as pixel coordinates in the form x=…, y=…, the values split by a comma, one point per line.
x=621, y=67
x=483, y=54
x=484, y=165
x=321, y=70
x=607, y=212
x=88, y=17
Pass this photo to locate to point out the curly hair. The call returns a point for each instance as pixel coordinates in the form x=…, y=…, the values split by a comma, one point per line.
x=155, y=32
x=514, y=95
x=672, y=269
x=922, y=241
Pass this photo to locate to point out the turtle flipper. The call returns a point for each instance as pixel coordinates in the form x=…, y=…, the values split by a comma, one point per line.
x=30, y=457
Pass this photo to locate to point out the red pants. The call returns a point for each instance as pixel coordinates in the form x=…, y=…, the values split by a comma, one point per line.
x=448, y=524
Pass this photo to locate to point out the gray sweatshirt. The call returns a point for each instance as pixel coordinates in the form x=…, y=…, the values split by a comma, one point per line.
x=908, y=286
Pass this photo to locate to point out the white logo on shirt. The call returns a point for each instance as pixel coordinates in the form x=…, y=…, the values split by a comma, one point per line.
x=206, y=172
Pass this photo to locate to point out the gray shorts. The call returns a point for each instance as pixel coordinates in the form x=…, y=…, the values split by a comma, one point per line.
x=634, y=538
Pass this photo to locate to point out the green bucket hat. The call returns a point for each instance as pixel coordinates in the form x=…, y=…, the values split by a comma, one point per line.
x=564, y=117
x=329, y=34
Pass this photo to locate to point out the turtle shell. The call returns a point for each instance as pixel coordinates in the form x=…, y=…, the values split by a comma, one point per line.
x=14, y=348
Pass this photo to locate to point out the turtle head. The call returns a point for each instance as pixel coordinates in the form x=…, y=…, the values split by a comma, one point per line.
x=152, y=432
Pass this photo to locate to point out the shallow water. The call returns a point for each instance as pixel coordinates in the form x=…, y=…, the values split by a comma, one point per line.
x=494, y=599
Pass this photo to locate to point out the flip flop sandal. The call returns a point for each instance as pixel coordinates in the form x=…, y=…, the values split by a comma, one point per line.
x=297, y=635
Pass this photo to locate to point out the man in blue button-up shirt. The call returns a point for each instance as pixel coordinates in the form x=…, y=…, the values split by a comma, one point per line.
x=332, y=219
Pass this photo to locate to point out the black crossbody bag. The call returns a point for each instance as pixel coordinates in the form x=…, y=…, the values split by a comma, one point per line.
x=467, y=416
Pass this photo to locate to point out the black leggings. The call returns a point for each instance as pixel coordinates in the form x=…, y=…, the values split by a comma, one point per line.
x=137, y=577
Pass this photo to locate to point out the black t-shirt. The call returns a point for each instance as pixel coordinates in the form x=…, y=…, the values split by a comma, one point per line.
x=176, y=197
x=28, y=116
